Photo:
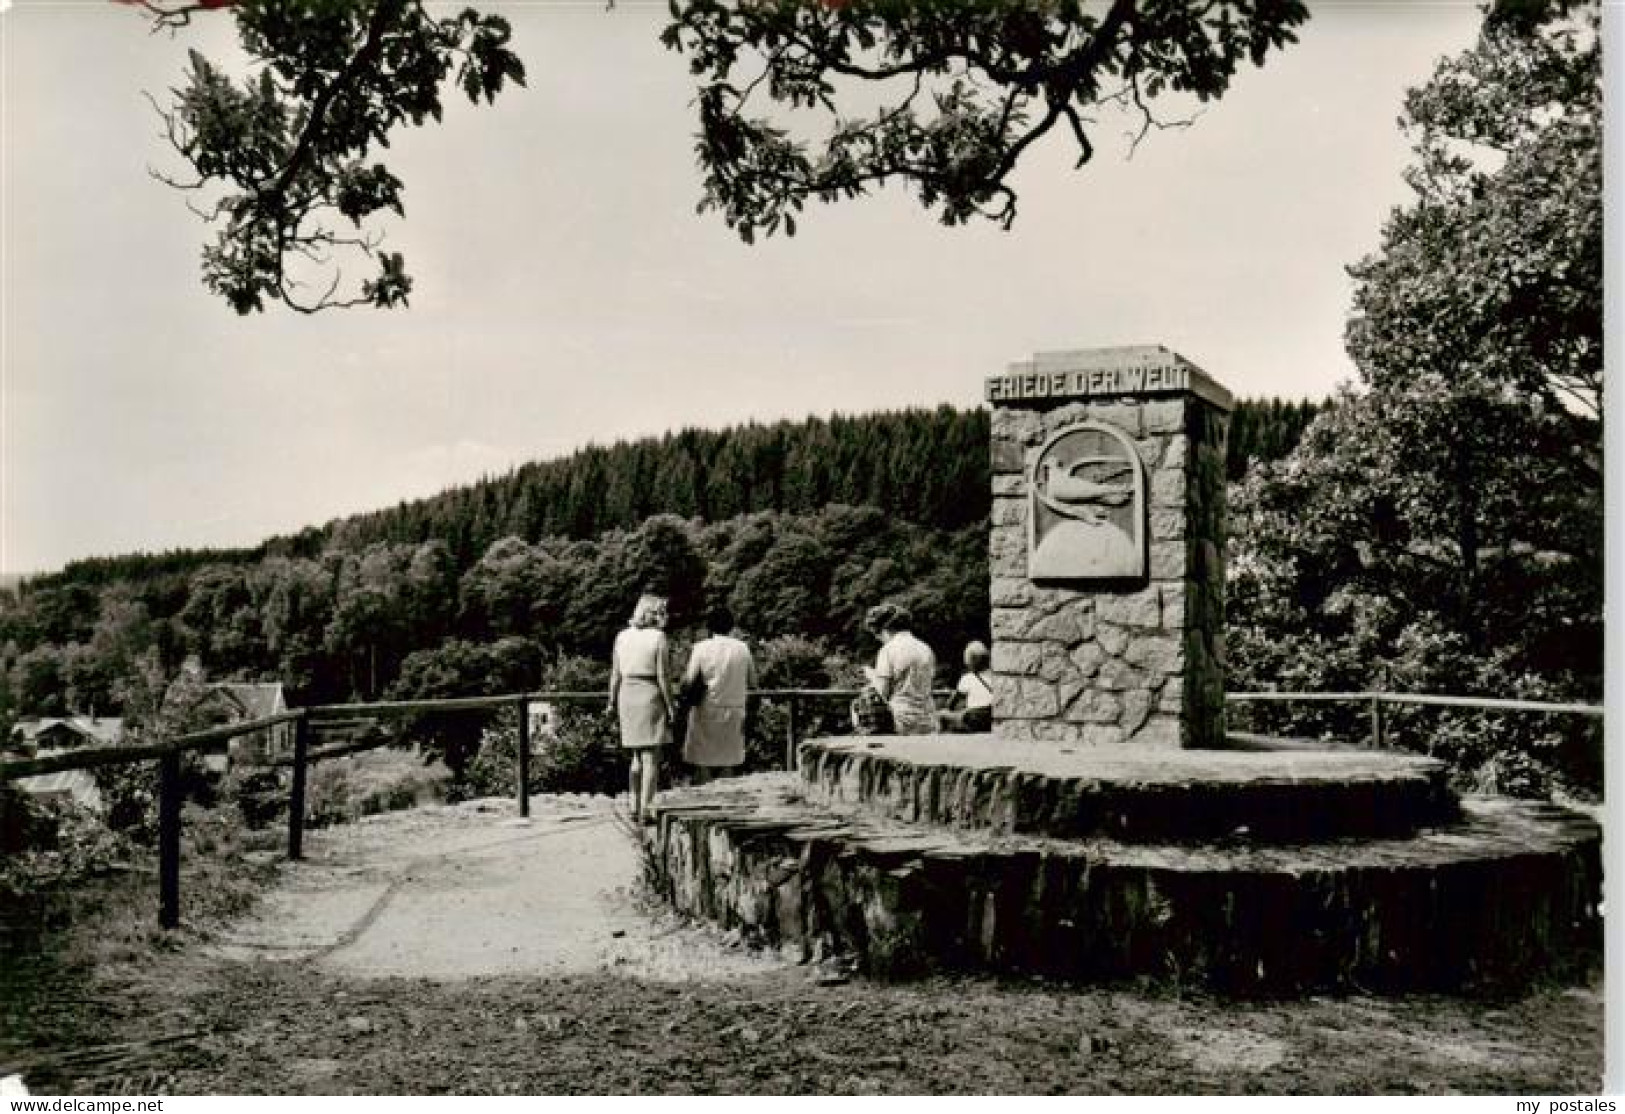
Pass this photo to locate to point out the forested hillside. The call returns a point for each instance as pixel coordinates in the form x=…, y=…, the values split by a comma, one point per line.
x=927, y=467
x=800, y=525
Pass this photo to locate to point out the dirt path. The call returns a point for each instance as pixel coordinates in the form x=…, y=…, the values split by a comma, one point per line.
x=454, y=951
x=470, y=891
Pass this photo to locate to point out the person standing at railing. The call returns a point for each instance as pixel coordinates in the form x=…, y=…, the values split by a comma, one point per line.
x=904, y=670
x=640, y=695
x=715, y=690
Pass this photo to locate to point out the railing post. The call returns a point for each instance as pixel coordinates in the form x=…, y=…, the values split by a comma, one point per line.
x=791, y=732
x=524, y=758
x=169, y=840
x=296, y=792
x=1379, y=740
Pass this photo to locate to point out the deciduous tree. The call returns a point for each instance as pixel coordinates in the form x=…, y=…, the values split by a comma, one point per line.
x=285, y=161
x=1442, y=527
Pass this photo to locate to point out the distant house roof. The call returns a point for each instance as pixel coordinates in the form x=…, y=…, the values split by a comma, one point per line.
x=96, y=731
x=253, y=700
x=76, y=785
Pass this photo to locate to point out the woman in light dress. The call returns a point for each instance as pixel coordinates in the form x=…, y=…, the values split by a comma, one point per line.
x=717, y=685
x=640, y=695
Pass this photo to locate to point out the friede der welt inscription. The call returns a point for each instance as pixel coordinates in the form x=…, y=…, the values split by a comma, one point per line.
x=1082, y=382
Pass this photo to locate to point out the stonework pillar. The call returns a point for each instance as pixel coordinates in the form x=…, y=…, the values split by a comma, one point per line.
x=1107, y=549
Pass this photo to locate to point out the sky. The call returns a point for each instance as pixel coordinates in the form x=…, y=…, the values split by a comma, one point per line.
x=567, y=293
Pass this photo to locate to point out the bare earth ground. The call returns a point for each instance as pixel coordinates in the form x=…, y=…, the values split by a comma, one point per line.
x=457, y=950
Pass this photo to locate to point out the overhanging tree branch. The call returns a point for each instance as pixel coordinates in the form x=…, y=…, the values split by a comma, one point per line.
x=289, y=144
x=333, y=78
x=989, y=66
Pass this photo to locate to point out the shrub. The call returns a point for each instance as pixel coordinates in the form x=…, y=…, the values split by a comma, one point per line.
x=26, y=823
x=1509, y=753
x=65, y=845
x=259, y=793
x=489, y=771
x=216, y=832
x=130, y=793
x=455, y=668
x=581, y=754
x=342, y=790
x=792, y=662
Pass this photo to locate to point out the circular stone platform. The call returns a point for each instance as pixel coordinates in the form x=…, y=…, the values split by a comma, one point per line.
x=1168, y=796
x=1502, y=894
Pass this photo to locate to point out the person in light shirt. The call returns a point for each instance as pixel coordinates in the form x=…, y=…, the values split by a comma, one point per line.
x=904, y=670
x=716, y=688
x=972, y=708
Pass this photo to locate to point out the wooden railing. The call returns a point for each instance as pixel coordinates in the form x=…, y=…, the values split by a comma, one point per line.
x=168, y=754
x=1375, y=701
x=168, y=757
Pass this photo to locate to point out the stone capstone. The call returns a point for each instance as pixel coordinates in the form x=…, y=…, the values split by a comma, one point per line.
x=1190, y=796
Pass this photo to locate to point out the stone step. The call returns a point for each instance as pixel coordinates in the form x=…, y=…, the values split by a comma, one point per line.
x=1497, y=898
x=1006, y=787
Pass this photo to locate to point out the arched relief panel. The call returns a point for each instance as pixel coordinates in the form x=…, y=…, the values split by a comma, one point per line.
x=1086, y=513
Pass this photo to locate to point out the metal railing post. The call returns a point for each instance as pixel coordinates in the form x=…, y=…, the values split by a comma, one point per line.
x=296, y=792
x=169, y=840
x=791, y=732
x=524, y=758
x=1379, y=739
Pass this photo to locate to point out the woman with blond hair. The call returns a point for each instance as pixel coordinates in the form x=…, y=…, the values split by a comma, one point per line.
x=640, y=695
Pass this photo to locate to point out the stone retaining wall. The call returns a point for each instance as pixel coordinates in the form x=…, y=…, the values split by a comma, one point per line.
x=1492, y=902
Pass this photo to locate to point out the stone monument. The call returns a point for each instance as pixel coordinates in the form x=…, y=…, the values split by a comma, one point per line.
x=1104, y=830
x=1107, y=549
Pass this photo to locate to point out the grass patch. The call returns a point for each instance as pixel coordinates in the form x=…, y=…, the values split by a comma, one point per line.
x=66, y=944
